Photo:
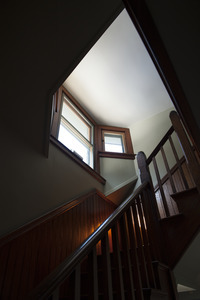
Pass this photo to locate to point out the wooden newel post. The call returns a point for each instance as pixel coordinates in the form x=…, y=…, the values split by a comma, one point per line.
x=143, y=167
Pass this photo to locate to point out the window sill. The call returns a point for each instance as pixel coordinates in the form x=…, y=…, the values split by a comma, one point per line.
x=75, y=158
x=116, y=155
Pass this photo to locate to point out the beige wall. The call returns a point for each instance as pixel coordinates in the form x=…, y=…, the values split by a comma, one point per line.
x=147, y=133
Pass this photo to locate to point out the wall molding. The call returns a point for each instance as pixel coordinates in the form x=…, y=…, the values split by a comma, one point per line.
x=52, y=214
x=119, y=186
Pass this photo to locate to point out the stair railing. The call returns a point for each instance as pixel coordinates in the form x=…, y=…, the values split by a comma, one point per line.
x=128, y=238
x=192, y=159
x=184, y=174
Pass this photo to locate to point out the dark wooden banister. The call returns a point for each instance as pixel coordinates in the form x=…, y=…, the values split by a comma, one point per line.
x=192, y=165
x=55, y=279
x=122, y=216
x=134, y=224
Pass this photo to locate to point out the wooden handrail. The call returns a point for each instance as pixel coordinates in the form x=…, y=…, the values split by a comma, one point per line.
x=47, y=287
x=190, y=175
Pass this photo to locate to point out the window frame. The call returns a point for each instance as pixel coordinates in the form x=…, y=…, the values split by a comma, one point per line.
x=55, y=124
x=67, y=124
x=125, y=132
x=80, y=116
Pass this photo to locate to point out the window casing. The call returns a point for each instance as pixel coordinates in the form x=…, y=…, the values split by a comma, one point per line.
x=76, y=131
x=120, y=142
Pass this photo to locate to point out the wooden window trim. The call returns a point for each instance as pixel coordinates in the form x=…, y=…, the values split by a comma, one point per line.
x=116, y=155
x=56, y=116
x=57, y=109
x=129, y=154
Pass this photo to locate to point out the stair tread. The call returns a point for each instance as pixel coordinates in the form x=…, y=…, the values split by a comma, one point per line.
x=185, y=192
x=167, y=219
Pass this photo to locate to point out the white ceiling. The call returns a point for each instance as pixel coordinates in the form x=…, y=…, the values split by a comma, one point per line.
x=116, y=81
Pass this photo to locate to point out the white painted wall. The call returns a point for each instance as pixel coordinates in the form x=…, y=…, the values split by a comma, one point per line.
x=117, y=172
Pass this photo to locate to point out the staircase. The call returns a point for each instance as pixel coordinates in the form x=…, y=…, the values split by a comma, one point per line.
x=132, y=253
x=120, y=260
x=70, y=290
x=180, y=229
x=177, y=193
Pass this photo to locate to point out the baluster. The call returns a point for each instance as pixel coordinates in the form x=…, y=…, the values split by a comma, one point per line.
x=93, y=273
x=178, y=163
x=152, y=224
x=146, y=177
x=127, y=260
x=144, y=273
x=161, y=187
x=117, y=259
x=134, y=256
x=107, y=275
x=77, y=282
x=168, y=170
x=147, y=251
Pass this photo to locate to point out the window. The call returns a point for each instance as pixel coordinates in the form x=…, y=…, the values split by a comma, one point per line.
x=115, y=142
x=75, y=131
x=85, y=141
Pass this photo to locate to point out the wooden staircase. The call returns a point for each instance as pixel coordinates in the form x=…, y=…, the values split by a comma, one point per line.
x=163, y=280
x=180, y=229
x=177, y=193
x=120, y=260
x=132, y=253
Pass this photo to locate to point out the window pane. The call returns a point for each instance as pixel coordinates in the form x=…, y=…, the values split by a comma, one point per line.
x=113, y=143
x=73, y=143
x=75, y=120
